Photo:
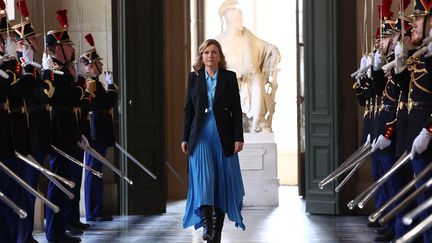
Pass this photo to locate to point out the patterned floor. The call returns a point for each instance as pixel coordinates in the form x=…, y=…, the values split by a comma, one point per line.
x=286, y=223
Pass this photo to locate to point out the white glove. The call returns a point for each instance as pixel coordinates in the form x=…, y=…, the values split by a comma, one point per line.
x=84, y=141
x=27, y=60
x=367, y=139
x=109, y=77
x=421, y=142
x=27, y=54
x=401, y=54
x=10, y=48
x=4, y=74
x=381, y=143
x=429, y=47
x=363, y=61
x=359, y=76
x=378, y=61
x=429, y=51
x=401, y=49
x=373, y=142
x=362, y=66
x=46, y=61
x=80, y=69
x=369, y=62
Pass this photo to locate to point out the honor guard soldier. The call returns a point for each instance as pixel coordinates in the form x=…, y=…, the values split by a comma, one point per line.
x=371, y=90
x=8, y=218
x=404, y=48
x=386, y=133
x=382, y=160
x=417, y=70
x=37, y=106
x=67, y=94
x=72, y=218
x=18, y=94
x=102, y=102
x=365, y=96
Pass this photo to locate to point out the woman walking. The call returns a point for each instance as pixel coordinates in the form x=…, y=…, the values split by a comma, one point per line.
x=212, y=137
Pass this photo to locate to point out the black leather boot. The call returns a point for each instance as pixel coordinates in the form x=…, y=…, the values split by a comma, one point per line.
x=206, y=217
x=218, y=221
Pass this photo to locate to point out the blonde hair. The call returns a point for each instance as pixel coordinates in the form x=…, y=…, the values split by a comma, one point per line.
x=199, y=64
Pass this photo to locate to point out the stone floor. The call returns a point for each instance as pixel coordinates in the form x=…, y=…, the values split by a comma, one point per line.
x=286, y=223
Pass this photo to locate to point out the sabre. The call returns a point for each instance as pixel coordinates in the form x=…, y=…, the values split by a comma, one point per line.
x=402, y=16
x=53, y=179
x=135, y=160
x=30, y=189
x=174, y=172
x=365, y=27
x=31, y=161
x=381, y=23
x=374, y=187
x=372, y=7
x=411, y=198
x=374, y=216
x=352, y=172
x=50, y=175
x=352, y=203
x=21, y=213
x=364, y=47
x=391, y=64
x=67, y=156
x=84, y=145
x=361, y=157
x=361, y=71
x=416, y=231
x=344, y=164
x=409, y=217
x=388, y=66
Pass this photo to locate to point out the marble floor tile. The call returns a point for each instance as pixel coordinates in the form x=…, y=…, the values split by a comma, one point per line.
x=286, y=223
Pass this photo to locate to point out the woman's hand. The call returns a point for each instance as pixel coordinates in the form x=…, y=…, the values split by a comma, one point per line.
x=184, y=147
x=238, y=146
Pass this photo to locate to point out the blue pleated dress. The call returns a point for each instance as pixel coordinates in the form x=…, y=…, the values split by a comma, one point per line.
x=213, y=178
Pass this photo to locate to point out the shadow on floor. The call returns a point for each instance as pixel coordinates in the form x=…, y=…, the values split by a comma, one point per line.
x=287, y=223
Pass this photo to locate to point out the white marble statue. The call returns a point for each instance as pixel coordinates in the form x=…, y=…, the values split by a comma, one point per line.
x=255, y=62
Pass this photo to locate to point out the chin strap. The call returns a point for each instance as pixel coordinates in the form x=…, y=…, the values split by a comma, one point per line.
x=106, y=37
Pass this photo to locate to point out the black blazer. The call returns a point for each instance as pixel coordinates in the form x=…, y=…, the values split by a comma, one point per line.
x=226, y=109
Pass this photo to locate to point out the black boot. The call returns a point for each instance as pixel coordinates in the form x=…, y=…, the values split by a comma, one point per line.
x=381, y=231
x=218, y=221
x=206, y=217
x=388, y=236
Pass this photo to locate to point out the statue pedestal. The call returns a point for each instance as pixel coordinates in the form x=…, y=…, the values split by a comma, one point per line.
x=258, y=163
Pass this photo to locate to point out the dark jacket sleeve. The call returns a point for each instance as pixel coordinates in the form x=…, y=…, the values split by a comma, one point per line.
x=19, y=89
x=26, y=83
x=363, y=91
x=39, y=91
x=361, y=96
x=403, y=79
x=105, y=99
x=379, y=81
x=237, y=111
x=78, y=92
x=428, y=124
x=189, y=111
x=4, y=87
